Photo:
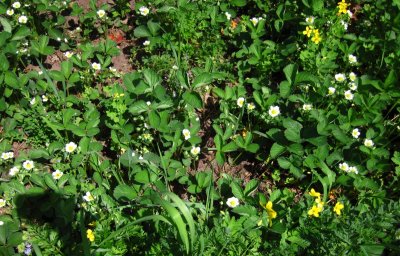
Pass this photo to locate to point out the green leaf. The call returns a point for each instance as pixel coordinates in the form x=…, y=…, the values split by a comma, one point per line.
x=202, y=79
x=66, y=68
x=151, y=78
x=154, y=119
x=6, y=25
x=125, y=193
x=153, y=27
x=142, y=31
x=293, y=135
x=21, y=33
x=4, y=64
x=138, y=107
x=237, y=190
x=284, y=162
x=48, y=179
x=239, y=3
x=276, y=150
x=284, y=89
x=39, y=153
x=245, y=210
x=290, y=73
x=193, y=99
x=231, y=146
x=317, y=5
x=251, y=186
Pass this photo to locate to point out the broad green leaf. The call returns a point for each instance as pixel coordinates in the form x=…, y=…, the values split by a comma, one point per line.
x=154, y=119
x=290, y=73
x=276, y=150
x=142, y=31
x=193, y=99
x=237, y=190
x=202, y=79
x=284, y=89
x=125, y=193
x=251, y=186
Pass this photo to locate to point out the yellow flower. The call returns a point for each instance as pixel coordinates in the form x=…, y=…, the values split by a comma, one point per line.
x=314, y=211
x=338, y=207
x=342, y=7
x=313, y=193
x=316, y=37
x=271, y=213
x=308, y=31
x=90, y=235
x=320, y=204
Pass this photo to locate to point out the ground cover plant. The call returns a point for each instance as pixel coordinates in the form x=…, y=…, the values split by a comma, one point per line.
x=178, y=127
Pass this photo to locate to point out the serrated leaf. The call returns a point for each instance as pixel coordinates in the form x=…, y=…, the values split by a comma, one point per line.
x=125, y=192
x=193, y=99
x=251, y=186
x=237, y=190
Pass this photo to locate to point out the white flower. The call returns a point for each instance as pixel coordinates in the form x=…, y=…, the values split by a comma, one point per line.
x=251, y=106
x=57, y=174
x=2, y=203
x=146, y=43
x=133, y=153
x=274, y=111
x=7, y=155
x=353, y=86
x=148, y=103
x=23, y=19
x=114, y=70
x=186, y=134
x=307, y=107
x=96, y=66
x=58, y=39
x=65, y=40
x=344, y=167
x=10, y=12
x=232, y=202
x=40, y=72
x=240, y=102
x=88, y=197
x=28, y=165
x=254, y=21
x=101, y=13
x=368, y=143
x=331, y=90
x=1, y=223
x=228, y=15
x=78, y=29
x=68, y=54
x=344, y=24
x=352, y=59
x=310, y=20
x=13, y=171
x=195, y=150
x=349, y=13
x=45, y=98
x=70, y=147
x=348, y=95
x=175, y=67
x=353, y=169
x=340, y=77
x=355, y=133
x=352, y=76
x=144, y=10
x=16, y=5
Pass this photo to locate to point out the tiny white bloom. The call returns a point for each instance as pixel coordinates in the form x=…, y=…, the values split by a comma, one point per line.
x=146, y=43
x=65, y=40
x=331, y=90
x=274, y=111
x=355, y=133
x=10, y=12
x=10, y=155
x=32, y=101
x=310, y=19
x=45, y=98
x=349, y=13
x=2, y=203
x=57, y=174
x=340, y=77
x=1, y=223
x=112, y=69
x=352, y=76
x=228, y=15
x=78, y=29
x=348, y=95
x=344, y=24
x=186, y=134
x=140, y=157
x=175, y=67
x=144, y=10
x=16, y=5
x=240, y=102
x=352, y=59
x=251, y=106
x=58, y=39
x=353, y=169
x=28, y=165
x=307, y=107
x=353, y=86
x=195, y=150
x=23, y=19
x=344, y=167
x=232, y=202
x=88, y=197
x=4, y=156
x=254, y=21
x=40, y=72
x=70, y=147
x=133, y=153
x=13, y=171
x=96, y=66
x=68, y=54
x=101, y=13
x=368, y=143
x=148, y=103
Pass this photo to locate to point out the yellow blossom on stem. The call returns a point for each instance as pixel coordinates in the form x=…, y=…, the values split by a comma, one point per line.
x=271, y=213
x=316, y=37
x=338, y=207
x=308, y=31
x=342, y=7
x=313, y=193
x=90, y=235
x=314, y=211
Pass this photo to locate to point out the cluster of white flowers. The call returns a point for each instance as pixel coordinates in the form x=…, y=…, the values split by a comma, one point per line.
x=346, y=168
x=7, y=155
x=256, y=20
x=228, y=15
